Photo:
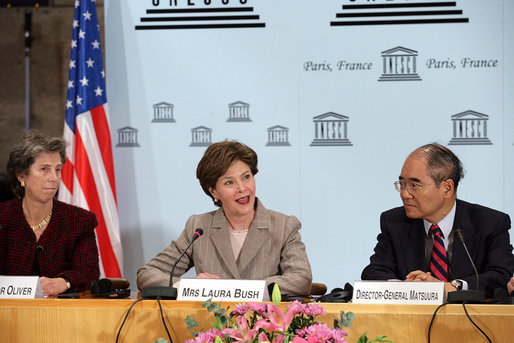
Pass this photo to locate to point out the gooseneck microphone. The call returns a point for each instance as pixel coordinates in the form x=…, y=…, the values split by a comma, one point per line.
x=461, y=237
x=469, y=296
x=168, y=292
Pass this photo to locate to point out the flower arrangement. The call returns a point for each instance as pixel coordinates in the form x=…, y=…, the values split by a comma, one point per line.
x=266, y=322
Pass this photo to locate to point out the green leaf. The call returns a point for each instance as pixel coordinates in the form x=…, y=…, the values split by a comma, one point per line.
x=381, y=339
x=218, y=339
x=206, y=303
x=275, y=295
x=220, y=324
x=225, y=320
x=363, y=338
x=219, y=312
x=345, y=319
x=190, y=323
x=213, y=306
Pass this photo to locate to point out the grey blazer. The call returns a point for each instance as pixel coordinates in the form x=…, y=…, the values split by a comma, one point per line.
x=272, y=251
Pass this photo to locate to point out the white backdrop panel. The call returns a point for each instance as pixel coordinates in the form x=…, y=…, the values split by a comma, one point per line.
x=295, y=68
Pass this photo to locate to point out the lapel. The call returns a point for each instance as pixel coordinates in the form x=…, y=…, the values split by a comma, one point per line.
x=460, y=261
x=220, y=238
x=414, y=245
x=256, y=238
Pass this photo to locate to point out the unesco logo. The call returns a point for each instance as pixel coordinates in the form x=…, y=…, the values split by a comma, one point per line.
x=163, y=113
x=127, y=137
x=399, y=64
x=200, y=14
x=278, y=136
x=201, y=136
x=470, y=128
x=331, y=129
x=239, y=111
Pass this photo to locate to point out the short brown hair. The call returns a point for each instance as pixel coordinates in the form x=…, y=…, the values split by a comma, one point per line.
x=25, y=152
x=218, y=158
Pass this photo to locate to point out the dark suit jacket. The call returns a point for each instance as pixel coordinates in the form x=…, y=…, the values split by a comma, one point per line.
x=401, y=247
x=67, y=246
x=272, y=251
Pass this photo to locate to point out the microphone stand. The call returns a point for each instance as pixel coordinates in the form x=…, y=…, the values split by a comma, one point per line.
x=474, y=296
x=168, y=292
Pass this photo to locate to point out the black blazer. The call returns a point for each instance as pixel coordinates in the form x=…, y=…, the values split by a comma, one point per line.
x=401, y=247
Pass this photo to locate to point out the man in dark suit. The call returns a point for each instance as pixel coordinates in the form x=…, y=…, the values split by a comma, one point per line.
x=418, y=241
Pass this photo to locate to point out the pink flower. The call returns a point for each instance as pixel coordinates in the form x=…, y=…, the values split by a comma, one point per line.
x=298, y=339
x=240, y=309
x=204, y=337
x=313, y=310
x=318, y=333
x=277, y=320
x=259, y=308
x=301, y=332
x=339, y=336
x=243, y=333
x=263, y=337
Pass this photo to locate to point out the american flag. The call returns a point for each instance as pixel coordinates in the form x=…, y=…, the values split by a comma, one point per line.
x=88, y=174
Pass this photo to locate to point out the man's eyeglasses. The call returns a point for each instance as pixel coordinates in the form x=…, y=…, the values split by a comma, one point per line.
x=411, y=187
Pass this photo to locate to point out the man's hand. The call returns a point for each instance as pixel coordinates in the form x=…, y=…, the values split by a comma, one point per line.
x=510, y=285
x=419, y=275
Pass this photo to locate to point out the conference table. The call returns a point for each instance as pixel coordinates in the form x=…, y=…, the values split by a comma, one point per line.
x=98, y=320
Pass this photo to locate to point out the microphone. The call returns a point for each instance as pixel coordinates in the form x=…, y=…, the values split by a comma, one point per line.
x=168, y=292
x=110, y=288
x=468, y=296
x=107, y=285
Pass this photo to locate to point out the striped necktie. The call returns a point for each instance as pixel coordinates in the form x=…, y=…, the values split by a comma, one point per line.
x=438, y=260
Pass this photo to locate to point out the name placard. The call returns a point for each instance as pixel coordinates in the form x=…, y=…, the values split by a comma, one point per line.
x=398, y=292
x=20, y=287
x=222, y=289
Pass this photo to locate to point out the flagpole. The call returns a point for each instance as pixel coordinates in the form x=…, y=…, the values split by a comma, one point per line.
x=28, y=44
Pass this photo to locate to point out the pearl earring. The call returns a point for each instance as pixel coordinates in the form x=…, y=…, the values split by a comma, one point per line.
x=23, y=183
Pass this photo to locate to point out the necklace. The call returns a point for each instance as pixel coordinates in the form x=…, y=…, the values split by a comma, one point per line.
x=238, y=231
x=43, y=223
x=231, y=228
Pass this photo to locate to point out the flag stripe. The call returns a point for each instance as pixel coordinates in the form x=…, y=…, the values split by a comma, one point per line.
x=88, y=185
x=67, y=175
x=103, y=137
x=107, y=198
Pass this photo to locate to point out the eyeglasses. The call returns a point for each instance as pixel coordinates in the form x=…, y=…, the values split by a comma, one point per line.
x=411, y=187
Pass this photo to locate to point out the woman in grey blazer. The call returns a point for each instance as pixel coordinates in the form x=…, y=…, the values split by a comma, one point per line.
x=242, y=239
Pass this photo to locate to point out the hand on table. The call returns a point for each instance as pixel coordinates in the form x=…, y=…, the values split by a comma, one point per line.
x=53, y=286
